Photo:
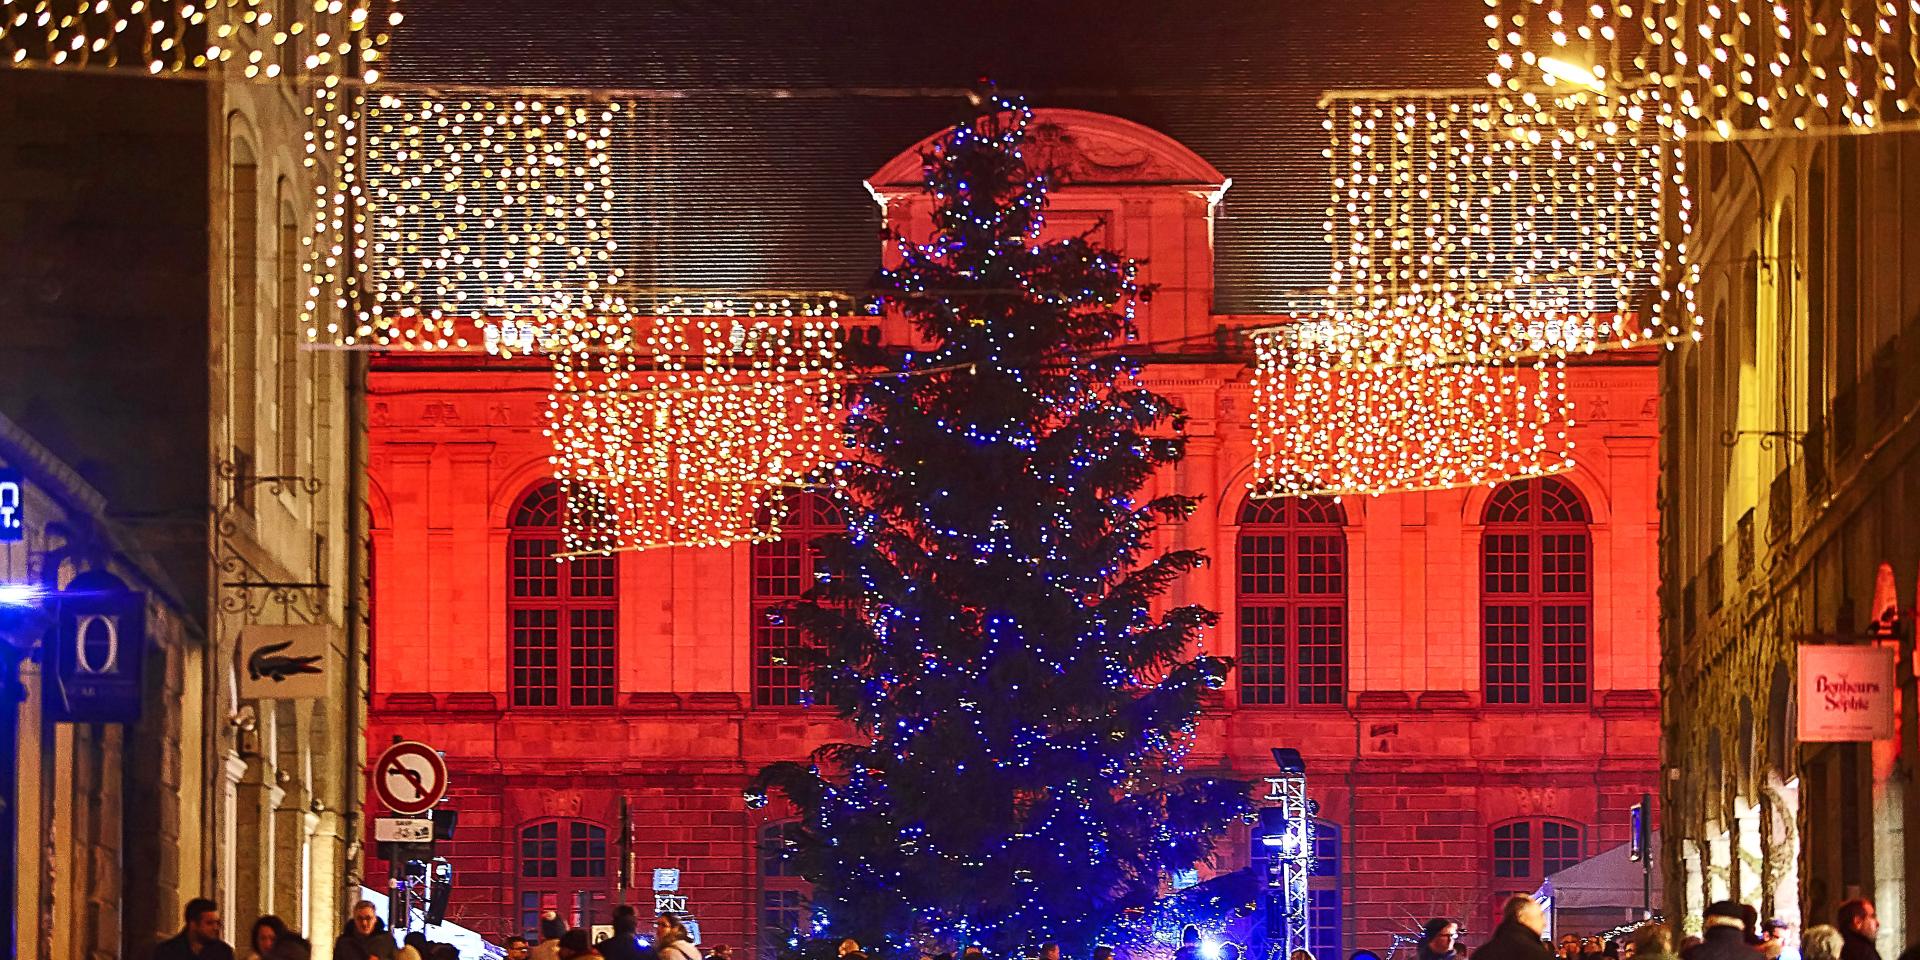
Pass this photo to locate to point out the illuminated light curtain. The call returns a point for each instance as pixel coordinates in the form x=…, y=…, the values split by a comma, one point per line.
x=257, y=40
x=1478, y=240
x=1321, y=428
x=1725, y=67
x=473, y=221
x=687, y=428
x=1468, y=227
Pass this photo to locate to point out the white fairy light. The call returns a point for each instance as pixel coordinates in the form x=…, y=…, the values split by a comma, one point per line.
x=686, y=429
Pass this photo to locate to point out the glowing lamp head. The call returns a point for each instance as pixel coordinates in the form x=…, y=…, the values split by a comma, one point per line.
x=1209, y=949
x=18, y=594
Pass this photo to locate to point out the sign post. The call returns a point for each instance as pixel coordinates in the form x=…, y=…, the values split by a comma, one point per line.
x=1637, y=850
x=409, y=778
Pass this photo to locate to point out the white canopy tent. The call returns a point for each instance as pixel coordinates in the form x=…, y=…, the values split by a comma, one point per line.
x=471, y=945
x=1601, y=891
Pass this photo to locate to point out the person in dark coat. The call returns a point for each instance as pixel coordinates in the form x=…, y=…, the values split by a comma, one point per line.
x=1437, y=938
x=200, y=940
x=1522, y=922
x=366, y=938
x=1725, y=937
x=625, y=942
x=1858, y=926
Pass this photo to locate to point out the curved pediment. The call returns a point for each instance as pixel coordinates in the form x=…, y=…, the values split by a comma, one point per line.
x=1082, y=148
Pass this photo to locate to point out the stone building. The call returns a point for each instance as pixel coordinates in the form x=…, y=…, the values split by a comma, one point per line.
x=606, y=713
x=150, y=273
x=1787, y=455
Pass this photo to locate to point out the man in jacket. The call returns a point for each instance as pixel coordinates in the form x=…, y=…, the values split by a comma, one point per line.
x=1725, y=937
x=200, y=940
x=625, y=942
x=366, y=938
x=1522, y=922
x=1858, y=926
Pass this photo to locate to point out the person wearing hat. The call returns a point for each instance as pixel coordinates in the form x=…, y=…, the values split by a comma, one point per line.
x=1773, y=940
x=1725, y=937
x=1437, y=938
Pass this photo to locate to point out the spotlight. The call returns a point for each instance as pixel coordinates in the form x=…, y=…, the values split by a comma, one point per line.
x=18, y=594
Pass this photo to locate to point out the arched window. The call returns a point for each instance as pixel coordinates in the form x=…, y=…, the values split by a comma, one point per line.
x=563, y=868
x=1528, y=850
x=1536, y=594
x=243, y=319
x=783, y=570
x=783, y=892
x=1292, y=558
x=562, y=613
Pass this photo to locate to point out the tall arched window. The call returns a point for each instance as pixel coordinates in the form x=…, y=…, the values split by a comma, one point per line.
x=1536, y=594
x=243, y=294
x=1528, y=850
x=783, y=570
x=563, y=868
x=1292, y=558
x=561, y=613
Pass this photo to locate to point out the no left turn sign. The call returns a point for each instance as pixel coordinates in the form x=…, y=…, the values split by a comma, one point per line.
x=409, y=778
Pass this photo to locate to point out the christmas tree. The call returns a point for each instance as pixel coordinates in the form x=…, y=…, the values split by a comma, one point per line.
x=986, y=622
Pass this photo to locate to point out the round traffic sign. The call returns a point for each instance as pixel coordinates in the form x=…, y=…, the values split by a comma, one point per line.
x=410, y=777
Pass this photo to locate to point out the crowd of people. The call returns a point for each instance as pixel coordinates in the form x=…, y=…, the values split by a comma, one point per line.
x=1731, y=931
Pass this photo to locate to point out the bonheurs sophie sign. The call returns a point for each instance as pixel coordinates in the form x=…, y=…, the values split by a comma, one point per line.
x=1846, y=693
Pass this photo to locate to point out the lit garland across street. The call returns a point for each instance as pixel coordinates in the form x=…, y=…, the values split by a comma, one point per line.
x=473, y=220
x=1324, y=428
x=258, y=39
x=1478, y=238
x=1728, y=67
x=687, y=429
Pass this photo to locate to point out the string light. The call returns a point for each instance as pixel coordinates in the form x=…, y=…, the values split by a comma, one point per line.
x=1324, y=427
x=686, y=429
x=259, y=40
x=474, y=220
x=1478, y=240
x=1725, y=68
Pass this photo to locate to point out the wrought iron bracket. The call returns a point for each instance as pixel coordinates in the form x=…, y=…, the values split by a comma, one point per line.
x=245, y=588
x=1768, y=438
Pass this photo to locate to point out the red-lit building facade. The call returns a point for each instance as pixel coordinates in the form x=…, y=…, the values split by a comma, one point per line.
x=1470, y=675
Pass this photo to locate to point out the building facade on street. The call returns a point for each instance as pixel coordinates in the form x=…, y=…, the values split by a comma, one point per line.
x=150, y=271
x=1468, y=727
x=1788, y=454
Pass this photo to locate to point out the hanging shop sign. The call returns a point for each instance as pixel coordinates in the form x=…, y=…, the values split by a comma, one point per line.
x=283, y=662
x=99, y=641
x=13, y=509
x=1846, y=693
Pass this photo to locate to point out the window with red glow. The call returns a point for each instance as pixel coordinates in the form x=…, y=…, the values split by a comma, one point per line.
x=784, y=569
x=1528, y=850
x=561, y=614
x=1292, y=602
x=1536, y=594
x=563, y=868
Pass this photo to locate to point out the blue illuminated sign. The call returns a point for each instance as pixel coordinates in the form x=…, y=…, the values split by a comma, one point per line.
x=13, y=509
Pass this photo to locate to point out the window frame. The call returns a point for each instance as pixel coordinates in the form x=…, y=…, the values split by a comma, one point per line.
x=1535, y=855
x=1538, y=548
x=572, y=611
x=581, y=898
x=1292, y=525
x=781, y=889
x=799, y=562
